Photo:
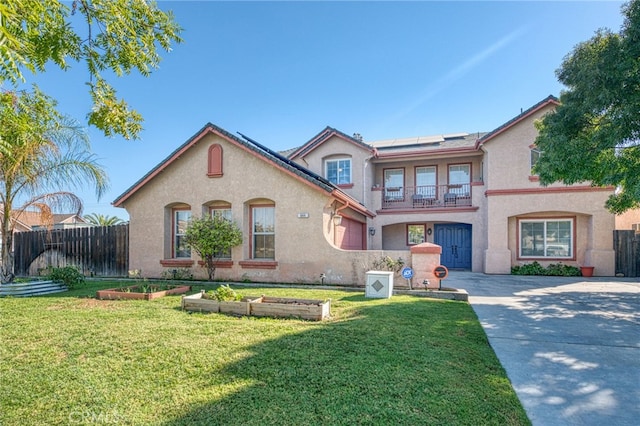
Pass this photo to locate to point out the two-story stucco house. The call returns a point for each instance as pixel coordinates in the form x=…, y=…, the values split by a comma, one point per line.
x=333, y=205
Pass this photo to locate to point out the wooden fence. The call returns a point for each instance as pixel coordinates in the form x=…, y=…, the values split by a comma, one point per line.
x=96, y=251
x=627, y=244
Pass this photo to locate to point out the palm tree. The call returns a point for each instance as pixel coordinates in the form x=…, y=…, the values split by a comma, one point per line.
x=102, y=220
x=43, y=154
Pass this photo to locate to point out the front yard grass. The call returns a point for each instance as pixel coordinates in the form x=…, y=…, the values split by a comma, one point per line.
x=72, y=359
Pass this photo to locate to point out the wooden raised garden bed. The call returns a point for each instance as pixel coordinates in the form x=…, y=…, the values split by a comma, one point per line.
x=264, y=306
x=196, y=303
x=142, y=292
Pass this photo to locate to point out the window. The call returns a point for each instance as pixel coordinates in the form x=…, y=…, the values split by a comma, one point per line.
x=535, y=156
x=181, y=220
x=459, y=179
x=338, y=171
x=225, y=213
x=546, y=238
x=394, y=184
x=263, y=232
x=415, y=234
x=426, y=181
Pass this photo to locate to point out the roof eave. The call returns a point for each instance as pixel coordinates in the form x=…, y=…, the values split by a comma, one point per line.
x=325, y=135
x=411, y=154
x=307, y=178
x=549, y=100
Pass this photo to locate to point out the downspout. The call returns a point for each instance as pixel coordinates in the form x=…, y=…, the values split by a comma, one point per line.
x=364, y=180
x=341, y=208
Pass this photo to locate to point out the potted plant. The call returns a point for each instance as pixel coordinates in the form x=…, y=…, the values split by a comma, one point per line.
x=587, y=271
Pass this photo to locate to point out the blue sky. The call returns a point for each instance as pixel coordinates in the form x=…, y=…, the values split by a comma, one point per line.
x=279, y=72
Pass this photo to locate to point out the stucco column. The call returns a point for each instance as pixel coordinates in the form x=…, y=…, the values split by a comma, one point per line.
x=497, y=257
x=601, y=254
x=424, y=258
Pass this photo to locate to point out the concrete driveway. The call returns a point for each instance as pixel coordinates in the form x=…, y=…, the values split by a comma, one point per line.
x=570, y=346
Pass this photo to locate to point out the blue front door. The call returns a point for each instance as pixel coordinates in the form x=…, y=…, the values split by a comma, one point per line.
x=455, y=240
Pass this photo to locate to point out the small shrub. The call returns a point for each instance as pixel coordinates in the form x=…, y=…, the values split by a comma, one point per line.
x=177, y=274
x=562, y=270
x=529, y=269
x=386, y=263
x=68, y=275
x=554, y=269
x=224, y=293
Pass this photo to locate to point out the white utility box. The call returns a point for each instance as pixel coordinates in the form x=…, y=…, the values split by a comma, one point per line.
x=379, y=284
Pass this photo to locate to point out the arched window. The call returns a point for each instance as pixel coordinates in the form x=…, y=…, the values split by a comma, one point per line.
x=215, y=161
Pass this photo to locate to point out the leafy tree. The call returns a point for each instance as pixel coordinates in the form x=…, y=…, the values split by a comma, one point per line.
x=41, y=152
x=211, y=237
x=102, y=220
x=117, y=36
x=594, y=134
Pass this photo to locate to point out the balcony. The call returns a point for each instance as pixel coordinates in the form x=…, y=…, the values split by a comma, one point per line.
x=426, y=197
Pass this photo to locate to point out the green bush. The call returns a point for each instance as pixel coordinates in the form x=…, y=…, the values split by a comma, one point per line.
x=182, y=274
x=224, y=293
x=529, y=269
x=68, y=275
x=386, y=263
x=559, y=269
x=554, y=269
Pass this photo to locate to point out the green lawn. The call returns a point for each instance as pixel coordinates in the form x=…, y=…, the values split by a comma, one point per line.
x=72, y=359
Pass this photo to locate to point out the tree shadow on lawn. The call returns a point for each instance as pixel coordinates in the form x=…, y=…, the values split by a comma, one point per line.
x=413, y=362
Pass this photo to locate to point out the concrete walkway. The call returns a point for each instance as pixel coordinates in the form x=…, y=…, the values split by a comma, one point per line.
x=570, y=346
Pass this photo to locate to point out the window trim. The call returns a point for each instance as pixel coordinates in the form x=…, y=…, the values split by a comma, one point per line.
x=531, y=162
x=460, y=189
x=253, y=233
x=174, y=233
x=349, y=183
x=435, y=185
x=221, y=208
x=388, y=189
x=570, y=219
x=424, y=233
